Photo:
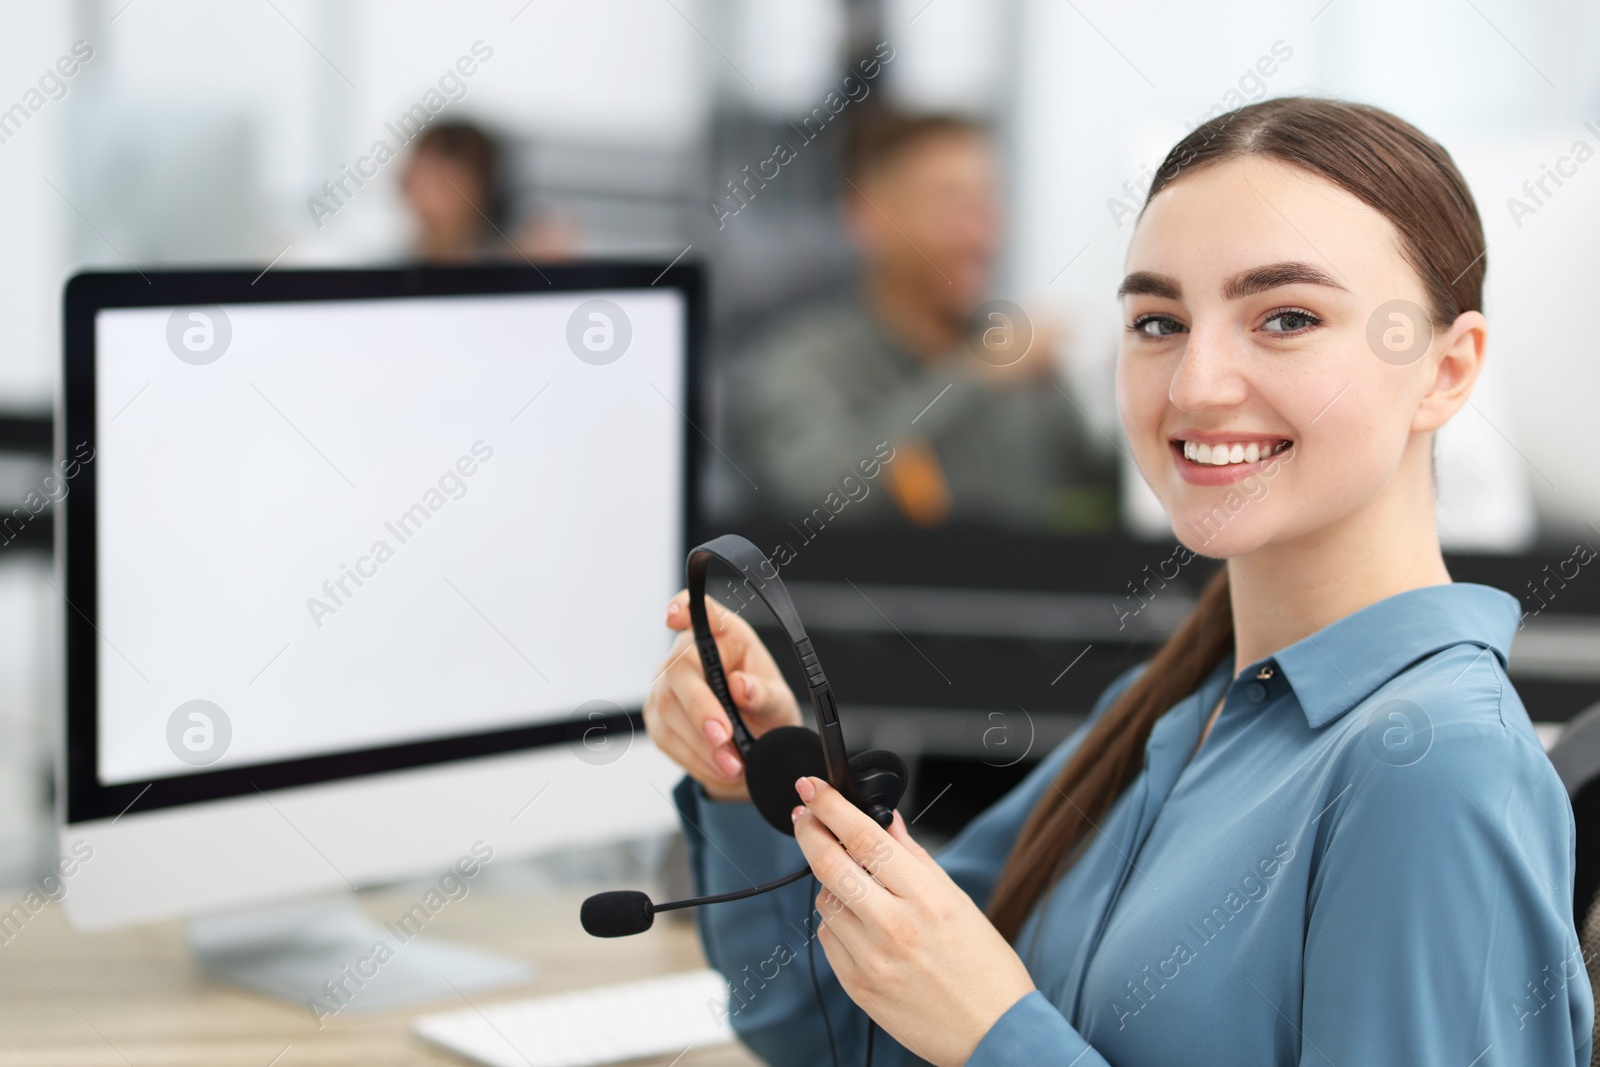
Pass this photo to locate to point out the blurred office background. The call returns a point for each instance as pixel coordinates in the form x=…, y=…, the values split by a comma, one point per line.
x=196, y=132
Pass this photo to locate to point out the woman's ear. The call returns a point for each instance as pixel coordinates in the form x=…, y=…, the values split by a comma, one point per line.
x=1456, y=368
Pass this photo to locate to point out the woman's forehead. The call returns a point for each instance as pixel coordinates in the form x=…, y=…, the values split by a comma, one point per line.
x=1244, y=214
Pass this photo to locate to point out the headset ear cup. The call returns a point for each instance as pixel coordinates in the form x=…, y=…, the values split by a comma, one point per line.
x=772, y=765
x=881, y=778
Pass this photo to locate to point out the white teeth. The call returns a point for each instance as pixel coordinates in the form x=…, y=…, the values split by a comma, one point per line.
x=1224, y=454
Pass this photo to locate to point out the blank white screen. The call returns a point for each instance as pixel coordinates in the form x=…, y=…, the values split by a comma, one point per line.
x=229, y=493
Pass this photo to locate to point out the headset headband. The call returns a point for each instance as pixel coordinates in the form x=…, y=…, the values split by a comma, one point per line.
x=761, y=577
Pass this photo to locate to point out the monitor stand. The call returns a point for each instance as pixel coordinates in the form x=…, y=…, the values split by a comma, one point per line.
x=329, y=956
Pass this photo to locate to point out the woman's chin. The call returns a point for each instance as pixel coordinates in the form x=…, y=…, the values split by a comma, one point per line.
x=1199, y=530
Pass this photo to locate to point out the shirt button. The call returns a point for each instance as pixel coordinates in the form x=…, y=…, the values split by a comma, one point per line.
x=1257, y=692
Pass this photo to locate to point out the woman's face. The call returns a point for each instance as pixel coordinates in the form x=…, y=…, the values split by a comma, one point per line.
x=1249, y=290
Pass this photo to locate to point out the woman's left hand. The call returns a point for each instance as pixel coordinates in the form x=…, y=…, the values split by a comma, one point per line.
x=907, y=944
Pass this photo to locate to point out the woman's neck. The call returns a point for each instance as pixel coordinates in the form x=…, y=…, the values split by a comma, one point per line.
x=1286, y=591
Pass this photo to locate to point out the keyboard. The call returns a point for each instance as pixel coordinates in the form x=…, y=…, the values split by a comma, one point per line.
x=606, y=1024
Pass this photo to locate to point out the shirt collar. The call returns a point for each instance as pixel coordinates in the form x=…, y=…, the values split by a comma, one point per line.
x=1343, y=663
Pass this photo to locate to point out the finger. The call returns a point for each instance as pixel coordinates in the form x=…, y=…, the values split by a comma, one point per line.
x=872, y=849
x=835, y=868
x=840, y=958
x=700, y=719
x=759, y=702
x=721, y=762
x=668, y=725
x=703, y=720
x=763, y=699
x=902, y=835
x=741, y=650
x=694, y=764
x=762, y=696
x=721, y=759
x=748, y=692
x=838, y=917
x=678, y=611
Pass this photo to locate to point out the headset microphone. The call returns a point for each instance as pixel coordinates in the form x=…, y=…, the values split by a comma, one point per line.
x=624, y=912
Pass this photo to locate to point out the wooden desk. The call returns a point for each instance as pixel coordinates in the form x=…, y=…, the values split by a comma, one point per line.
x=133, y=998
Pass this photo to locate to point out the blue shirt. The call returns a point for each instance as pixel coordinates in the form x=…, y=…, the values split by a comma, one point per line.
x=1369, y=862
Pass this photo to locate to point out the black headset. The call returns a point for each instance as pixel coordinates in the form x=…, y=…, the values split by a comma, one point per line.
x=873, y=781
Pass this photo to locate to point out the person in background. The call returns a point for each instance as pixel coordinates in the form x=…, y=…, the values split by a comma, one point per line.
x=454, y=187
x=897, y=374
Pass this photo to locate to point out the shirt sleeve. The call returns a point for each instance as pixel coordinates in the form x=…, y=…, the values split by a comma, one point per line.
x=1440, y=924
x=760, y=944
x=1034, y=1033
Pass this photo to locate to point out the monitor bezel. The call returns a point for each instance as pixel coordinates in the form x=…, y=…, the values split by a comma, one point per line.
x=86, y=798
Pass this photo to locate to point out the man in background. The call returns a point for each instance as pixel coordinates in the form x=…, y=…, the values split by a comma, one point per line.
x=979, y=433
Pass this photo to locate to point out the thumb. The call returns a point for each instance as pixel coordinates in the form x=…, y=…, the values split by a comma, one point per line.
x=679, y=618
x=758, y=699
x=678, y=611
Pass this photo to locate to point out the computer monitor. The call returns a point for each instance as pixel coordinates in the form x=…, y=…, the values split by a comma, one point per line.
x=366, y=572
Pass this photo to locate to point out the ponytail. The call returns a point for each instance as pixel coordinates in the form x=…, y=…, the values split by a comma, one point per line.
x=1108, y=758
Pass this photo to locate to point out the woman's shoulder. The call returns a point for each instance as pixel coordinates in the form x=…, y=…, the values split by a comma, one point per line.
x=1460, y=695
x=1447, y=735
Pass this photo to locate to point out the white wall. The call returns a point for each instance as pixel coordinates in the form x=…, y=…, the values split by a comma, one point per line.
x=220, y=120
x=32, y=37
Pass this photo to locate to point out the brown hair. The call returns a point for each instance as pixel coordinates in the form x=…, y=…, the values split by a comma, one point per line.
x=1409, y=179
x=879, y=135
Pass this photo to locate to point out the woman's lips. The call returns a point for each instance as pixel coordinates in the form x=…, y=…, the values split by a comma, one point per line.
x=1225, y=474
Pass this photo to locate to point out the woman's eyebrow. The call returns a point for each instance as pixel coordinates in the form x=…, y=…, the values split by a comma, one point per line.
x=1245, y=283
x=1148, y=283
x=1259, y=279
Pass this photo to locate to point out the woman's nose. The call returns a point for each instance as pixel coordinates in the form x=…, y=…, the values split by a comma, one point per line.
x=1209, y=374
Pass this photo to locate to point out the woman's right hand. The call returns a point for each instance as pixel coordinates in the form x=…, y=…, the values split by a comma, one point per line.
x=685, y=719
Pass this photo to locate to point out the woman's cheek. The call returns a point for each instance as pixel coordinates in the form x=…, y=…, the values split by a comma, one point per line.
x=1142, y=388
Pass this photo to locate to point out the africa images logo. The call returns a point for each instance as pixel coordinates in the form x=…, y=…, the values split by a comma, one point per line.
x=199, y=335
x=599, y=332
x=1399, y=732
x=199, y=732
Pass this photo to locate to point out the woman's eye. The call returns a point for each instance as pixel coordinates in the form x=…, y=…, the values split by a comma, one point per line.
x=1290, y=321
x=1155, y=326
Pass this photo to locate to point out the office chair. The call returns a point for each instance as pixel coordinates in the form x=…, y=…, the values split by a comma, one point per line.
x=1576, y=756
x=1577, y=760
x=1589, y=941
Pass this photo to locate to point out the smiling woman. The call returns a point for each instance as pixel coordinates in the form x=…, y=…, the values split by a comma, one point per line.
x=1334, y=715
x=1254, y=351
